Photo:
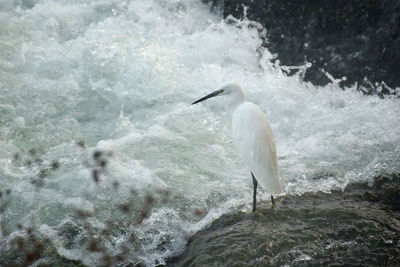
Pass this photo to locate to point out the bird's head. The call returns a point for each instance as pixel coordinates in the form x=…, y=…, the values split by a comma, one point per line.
x=233, y=90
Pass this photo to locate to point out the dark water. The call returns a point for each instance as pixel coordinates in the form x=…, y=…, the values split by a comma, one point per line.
x=104, y=162
x=357, y=227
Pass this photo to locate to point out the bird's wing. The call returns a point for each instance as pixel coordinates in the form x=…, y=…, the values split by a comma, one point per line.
x=255, y=141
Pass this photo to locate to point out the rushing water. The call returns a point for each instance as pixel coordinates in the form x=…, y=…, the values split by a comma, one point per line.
x=102, y=154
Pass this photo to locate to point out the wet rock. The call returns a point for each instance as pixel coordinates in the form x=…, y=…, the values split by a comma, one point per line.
x=357, y=227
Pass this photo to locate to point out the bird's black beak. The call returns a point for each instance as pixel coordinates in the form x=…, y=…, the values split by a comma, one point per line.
x=215, y=93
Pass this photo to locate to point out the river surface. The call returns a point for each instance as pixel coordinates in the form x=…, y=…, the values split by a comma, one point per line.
x=104, y=161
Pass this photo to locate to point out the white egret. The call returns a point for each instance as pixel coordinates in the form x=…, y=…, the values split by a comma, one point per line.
x=253, y=137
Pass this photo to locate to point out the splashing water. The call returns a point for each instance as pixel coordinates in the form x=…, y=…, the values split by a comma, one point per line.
x=120, y=76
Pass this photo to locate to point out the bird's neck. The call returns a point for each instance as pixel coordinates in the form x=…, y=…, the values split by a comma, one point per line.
x=235, y=99
x=233, y=103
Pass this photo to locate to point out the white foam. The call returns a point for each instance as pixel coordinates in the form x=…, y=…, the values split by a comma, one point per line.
x=121, y=76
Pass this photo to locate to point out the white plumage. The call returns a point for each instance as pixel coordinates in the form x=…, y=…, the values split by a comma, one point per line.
x=255, y=141
x=253, y=137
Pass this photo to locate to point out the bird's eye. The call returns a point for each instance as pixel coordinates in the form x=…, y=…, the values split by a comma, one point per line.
x=221, y=91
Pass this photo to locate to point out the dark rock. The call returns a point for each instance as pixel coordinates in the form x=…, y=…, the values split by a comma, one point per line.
x=356, y=227
x=357, y=39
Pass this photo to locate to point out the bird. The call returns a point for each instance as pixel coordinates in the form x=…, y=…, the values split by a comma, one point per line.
x=254, y=139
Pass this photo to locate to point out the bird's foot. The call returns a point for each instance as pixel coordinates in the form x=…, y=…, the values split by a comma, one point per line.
x=251, y=211
x=258, y=213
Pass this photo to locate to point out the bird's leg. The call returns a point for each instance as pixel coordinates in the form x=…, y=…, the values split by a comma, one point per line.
x=255, y=192
x=273, y=202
